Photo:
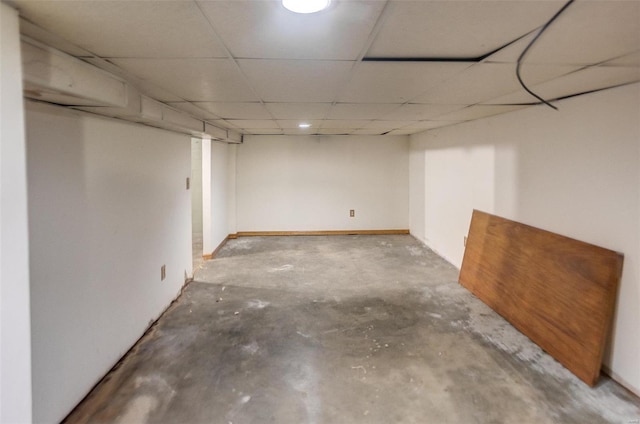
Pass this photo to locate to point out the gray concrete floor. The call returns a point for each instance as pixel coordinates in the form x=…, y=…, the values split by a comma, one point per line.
x=196, y=251
x=341, y=329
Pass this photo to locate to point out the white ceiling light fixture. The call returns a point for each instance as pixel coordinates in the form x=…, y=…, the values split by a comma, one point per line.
x=304, y=125
x=306, y=6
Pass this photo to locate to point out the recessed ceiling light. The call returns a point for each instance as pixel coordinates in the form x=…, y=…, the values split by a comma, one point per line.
x=304, y=125
x=306, y=6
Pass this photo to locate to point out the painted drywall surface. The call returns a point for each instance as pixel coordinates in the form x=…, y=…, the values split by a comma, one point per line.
x=416, y=189
x=207, y=224
x=232, y=151
x=303, y=183
x=107, y=207
x=196, y=185
x=574, y=172
x=219, y=192
x=218, y=164
x=15, y=333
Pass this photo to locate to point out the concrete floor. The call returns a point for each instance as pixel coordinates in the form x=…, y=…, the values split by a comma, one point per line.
x=196, y=251
x=341, y=329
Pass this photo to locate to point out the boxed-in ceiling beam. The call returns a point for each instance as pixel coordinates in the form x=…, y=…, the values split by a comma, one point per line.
x=52, y=76
x=56, y=77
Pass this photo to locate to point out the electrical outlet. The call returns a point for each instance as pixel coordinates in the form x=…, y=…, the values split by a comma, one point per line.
x=163, y=272
x=352, y=213
x=188, y=183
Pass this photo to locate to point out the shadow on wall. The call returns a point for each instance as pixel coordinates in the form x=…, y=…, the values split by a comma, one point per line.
x=573, y=172
x=108, y=207
x=59, y=229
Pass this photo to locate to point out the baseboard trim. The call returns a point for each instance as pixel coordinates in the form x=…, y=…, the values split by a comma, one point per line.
x=621, y=381
x=320, y=233
x=209, y=256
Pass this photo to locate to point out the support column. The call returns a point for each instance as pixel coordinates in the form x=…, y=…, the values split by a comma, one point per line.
x=15, y=327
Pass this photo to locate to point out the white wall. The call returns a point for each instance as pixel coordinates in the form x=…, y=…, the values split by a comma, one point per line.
x=218, y=164
x=196, y=185
x=107, y=207
x=231, y=202
x=575, y=171
x=305, y=183
x=15, y=344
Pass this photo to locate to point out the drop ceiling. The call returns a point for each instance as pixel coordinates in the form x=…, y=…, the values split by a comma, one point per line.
x=360, y=67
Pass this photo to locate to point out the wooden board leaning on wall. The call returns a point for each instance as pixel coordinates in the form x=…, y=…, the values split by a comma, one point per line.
x=558, y=291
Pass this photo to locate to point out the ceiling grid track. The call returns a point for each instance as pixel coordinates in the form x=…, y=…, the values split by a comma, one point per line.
x=235, y=62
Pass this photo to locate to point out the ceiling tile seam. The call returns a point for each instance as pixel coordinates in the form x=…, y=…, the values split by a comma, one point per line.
x=457, y=74
x=616, y=65
x=282, y=59
x=582, y=68
x=233, y=60
x=166, y=58
x=451, y=77
x=382, y=17
x=595, y=90
x=477, y=59
x=137, y=83
x=487, y=58
x=90, y=54
x=129, y=77
x=604, y=62
x=526, y=105
x=484, y=60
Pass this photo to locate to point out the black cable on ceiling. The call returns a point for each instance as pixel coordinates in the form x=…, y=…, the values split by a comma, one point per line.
x=477, y=59
x=524, y=52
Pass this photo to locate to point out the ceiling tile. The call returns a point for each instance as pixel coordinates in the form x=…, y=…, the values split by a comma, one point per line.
x=33, y=31
x=193, y=79
x=418, y=112
x=456, y=28
x=388, y=125
x=266, y=30
x=236, y=110
x=305, y=81
x=293, y=123
x=588, y=79
x=511, y=53
x=128, y=28
x=300, y=131
x=402, y=131
x=368, y=131
x=253, y=123
x=298, y=110
x=150, y=89
x=156, y=92
x=335, y=131
x=632, y=59
x=589, y=32
x=478, y=111
x=264, y=131
x=223, y=124
x=346, y=123
x=488, y=80
x=360, y=110
x=395, y=82
x=428, y=125
x=194, y=110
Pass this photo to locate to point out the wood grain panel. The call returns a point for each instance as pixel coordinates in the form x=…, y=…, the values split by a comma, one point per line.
x=558, y=291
